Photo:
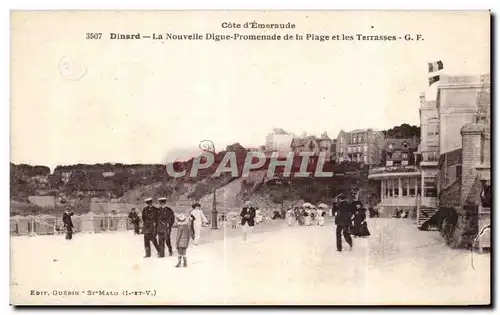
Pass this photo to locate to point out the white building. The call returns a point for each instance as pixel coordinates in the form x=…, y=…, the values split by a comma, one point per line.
x=279, y=141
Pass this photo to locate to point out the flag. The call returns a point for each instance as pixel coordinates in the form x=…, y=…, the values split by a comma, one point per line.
x=433, y=79
x=435, y=66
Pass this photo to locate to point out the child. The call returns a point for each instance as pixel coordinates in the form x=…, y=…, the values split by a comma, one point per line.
x=183, y=235
x=234, y=221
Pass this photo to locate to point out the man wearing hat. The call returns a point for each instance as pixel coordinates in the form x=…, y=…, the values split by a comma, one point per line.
x=68, y=223
x=343, y=220
x=164, y=225
x=149, y=220
x=247, y=218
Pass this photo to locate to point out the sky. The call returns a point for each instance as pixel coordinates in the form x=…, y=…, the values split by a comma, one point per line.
x=75, y=100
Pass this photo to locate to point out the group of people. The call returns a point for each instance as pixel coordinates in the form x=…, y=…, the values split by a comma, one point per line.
x=306, y=215
x=350, y=219
x=157, y=224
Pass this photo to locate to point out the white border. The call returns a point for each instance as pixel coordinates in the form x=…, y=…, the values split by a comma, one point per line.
x=6, y=6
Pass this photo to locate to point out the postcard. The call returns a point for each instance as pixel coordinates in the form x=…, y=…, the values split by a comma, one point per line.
x=250, y=158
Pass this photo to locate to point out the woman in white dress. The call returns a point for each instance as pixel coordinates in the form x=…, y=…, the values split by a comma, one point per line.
x=199, y=220
x=289, y=216
x=320, y=216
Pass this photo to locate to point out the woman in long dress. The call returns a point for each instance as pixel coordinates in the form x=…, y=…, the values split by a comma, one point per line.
x=360, y=227
x=289, y=216
x=199, y=220
x=320, y=216
x=307, y=217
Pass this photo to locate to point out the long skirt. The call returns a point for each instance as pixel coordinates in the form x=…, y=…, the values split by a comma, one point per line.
x=289, y=220
x=307, y=220
x=321, y=221
x=363, y=230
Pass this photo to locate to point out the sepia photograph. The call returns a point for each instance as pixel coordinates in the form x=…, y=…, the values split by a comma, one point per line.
x=335, y=158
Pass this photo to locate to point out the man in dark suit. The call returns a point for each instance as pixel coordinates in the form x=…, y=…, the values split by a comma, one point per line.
x=134, y=219
x=149, y=220
x=166, y=220
x=343, y=220
x=247, y=219
x=68, y=223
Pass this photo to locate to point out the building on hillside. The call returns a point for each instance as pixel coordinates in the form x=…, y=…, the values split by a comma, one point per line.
x=359, y=146
x=464, y=166
x=399, y=178
x=278, y=141
x=312, y=144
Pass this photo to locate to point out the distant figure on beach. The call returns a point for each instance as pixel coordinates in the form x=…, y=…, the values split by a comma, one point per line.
x=68, y=223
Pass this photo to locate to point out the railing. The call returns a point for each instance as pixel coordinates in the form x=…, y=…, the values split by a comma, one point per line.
x=393, y=169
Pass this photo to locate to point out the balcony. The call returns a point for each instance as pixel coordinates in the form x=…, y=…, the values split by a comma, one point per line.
x=429, y=158
x=394, y=170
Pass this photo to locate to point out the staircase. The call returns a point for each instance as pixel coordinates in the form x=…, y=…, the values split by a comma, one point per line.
x=424, y=214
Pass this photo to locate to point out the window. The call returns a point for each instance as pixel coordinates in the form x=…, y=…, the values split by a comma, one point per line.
x=419, y=188
x=366, y=148
x=359, y=149
x=396, y=187
x=430, y=189
x=413, y=183
x=406, y=184
x=365, y=159
x=349, y=149
x=404, y=156
x=390, y=187
x=341, y=150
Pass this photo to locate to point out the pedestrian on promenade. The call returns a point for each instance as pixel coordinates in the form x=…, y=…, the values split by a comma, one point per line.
x=149, y=219
x=234, y=221
x=320, y=216
x=184, y=234
x=343, y=220
x=307, y=216
x=289, y=216
x=247, y=219
x=135, y=220
x=166, y=219
x=68, y=223
x=360, y=227
x=199, y=220
x=300, y=216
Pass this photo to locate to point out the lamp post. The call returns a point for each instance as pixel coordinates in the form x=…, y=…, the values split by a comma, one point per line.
x=209, y=146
